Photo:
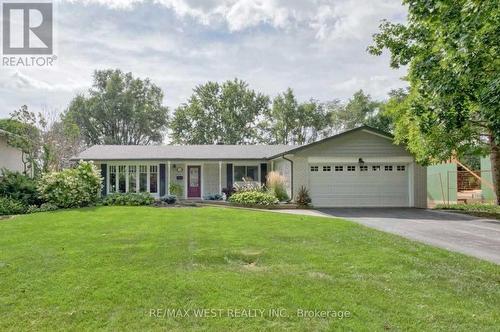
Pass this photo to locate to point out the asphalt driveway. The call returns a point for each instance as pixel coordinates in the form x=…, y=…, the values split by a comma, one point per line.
x=472, y=236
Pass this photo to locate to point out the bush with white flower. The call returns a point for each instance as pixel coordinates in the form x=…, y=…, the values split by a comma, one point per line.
x=76, y=187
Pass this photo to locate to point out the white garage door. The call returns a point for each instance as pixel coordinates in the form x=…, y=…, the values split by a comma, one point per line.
x=351, y=185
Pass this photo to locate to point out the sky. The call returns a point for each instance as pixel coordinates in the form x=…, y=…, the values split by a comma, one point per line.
x=316, y=47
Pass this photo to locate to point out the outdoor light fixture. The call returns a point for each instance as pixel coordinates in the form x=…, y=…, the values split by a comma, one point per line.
x=361, y=161
x=179, y=169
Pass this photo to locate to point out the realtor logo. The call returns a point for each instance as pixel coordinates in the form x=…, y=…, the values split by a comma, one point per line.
x=27, y=28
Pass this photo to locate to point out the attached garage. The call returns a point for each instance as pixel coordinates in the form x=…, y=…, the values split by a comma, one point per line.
x=358, y=168
x=359, y=185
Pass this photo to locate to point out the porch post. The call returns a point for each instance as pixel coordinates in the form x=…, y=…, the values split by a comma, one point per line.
x=220, y=177
x=168, y=178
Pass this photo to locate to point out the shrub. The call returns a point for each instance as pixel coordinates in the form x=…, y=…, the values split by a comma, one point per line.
x=19, y=187
x=276, y=184
x=175, y=189
x=213, y=197
x=248, y=186
x=228, y=192
x=130, y=199
x=42, y=208
x=253, y=198
x=303, y=198
x=77, y=187
x=10, y=206
x=169, y=199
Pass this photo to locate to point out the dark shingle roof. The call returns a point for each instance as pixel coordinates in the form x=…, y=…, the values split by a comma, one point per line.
x=150, y=152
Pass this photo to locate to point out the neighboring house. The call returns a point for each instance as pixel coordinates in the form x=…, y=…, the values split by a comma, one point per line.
x=360, y=167
x=11, y=158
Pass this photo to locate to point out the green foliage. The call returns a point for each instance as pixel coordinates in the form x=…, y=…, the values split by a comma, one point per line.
x=130, y=199
x=451, y=50
x=213, y=197
x=77, y=187
x=10, y=206
x=42, y=208
x=119, y=109
x=169, y=199
x=484, y=210
x=302, y=198
x=175, y=189
x=219, y=113
x=253, y=198
x=19, y=187
x=291, y=122
x=276, y=185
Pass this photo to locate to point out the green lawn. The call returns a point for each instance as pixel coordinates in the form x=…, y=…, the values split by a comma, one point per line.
x=108, y=267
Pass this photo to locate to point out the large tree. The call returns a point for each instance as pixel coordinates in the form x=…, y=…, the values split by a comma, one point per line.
x=451, y=49
x=226, y=113
x=359, y=110
x=291, y=122
x=120, y=109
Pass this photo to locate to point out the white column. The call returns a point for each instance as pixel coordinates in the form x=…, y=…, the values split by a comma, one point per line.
x=220, y=177
x=167, y=183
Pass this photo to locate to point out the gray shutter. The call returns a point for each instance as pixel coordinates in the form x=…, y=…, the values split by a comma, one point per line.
x=104, y=175
x=163, y=185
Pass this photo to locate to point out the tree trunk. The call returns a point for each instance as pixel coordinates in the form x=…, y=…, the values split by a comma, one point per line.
x=495, y=166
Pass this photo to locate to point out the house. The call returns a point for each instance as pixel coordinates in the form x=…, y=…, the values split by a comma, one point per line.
x=11, y=158
x=359, y=167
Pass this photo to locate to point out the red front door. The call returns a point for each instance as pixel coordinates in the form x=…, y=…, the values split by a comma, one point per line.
x=194, y=181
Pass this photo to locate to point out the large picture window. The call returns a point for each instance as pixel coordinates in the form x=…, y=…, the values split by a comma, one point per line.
x=143, y=178
x=247, y=173
x=132, y=178
x=122, y=178
x=112, y=179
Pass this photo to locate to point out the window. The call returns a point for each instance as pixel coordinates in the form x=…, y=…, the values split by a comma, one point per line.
x=314, y=168
x=376, y=168
x=153, y=179
x=363, y=168
x=388, y=168
x=339, y=168
x=112, y=179
x=401, y=168
x=143, y=178
x=122, y=178
x=327, y=168
x=132, y=178
x=351, y=168
x=249, y=173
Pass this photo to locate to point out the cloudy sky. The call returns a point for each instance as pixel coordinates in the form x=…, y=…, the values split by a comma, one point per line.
x=316, y=47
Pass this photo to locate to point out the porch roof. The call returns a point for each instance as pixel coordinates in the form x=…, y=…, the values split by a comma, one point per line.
x=182, y=152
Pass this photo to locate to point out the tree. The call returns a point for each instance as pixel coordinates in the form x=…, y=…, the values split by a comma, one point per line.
x=119, y=109
x=225, y=113
x=359, y=110
x=451, y=49
x=290, y=122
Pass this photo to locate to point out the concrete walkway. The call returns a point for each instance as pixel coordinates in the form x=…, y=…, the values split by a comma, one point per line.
x=469, y=235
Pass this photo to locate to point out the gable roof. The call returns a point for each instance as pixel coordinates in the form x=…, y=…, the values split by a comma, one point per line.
x=205, y=152
x=362, y=128
x=172, y=152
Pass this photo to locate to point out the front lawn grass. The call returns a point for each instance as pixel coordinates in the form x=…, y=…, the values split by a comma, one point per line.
x=478, y=209
x=110, y=267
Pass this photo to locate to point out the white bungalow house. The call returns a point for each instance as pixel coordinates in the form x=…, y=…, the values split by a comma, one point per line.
x=360, y=167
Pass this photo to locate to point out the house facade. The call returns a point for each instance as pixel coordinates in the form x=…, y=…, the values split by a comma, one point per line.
x=11, y=158
x=358, y=168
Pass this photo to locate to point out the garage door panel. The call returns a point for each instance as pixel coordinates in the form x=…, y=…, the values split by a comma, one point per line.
x=359, y=188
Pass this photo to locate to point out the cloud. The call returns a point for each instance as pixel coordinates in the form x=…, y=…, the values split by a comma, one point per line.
x=316, y=47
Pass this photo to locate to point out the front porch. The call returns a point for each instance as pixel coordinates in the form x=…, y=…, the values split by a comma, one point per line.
x=188, y=179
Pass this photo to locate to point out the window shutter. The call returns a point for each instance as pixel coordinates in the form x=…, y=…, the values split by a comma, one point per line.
x=104, y=175
x=229, y=175
x=263, y=173
x=163, y=185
